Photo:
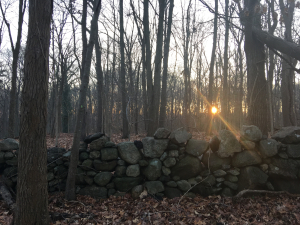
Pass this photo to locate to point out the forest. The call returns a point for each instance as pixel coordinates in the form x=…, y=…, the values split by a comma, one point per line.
x=128, y=68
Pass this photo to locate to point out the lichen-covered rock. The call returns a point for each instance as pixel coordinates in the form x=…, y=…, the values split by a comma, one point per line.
x=219, y=173
x=173, y=153
x=251, y=133
x=103, y=178
x=104, y=165
x=246, y=158
x=196, y=147
x=124, y=184
x=288, y=135
x=228, y=145
x=109, y=153
x=133, y=170
x=99, y=143
x=129, y=153
x=154, y=187
x=183, y=185
x=162, y=133
x=153, y=170
x=180, y=136
x=94, y=191
x=268, y=148
x=187, y=167
x=154, y=148
x=169, y=162
x=251, y=178
x=87, y=164
x=9, y=144
x=293, y=151
x=214, y=161
x=166, y=171
x=95, y=155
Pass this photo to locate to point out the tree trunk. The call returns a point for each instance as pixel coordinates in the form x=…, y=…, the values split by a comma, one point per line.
x=32, y=190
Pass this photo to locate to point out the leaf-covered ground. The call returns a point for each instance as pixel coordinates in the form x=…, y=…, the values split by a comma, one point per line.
x=281, y=209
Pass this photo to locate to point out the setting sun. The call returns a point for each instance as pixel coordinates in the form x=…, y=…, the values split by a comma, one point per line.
x=214, y=110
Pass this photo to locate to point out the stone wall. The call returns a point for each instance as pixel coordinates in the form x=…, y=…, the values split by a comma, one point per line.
x=172, y=163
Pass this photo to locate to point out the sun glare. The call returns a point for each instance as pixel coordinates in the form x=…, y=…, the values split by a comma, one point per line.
x=214, y=110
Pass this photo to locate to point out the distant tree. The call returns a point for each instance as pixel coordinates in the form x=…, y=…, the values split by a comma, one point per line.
x=32, y=189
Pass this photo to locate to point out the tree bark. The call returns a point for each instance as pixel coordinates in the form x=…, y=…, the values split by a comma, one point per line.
x=32, y=190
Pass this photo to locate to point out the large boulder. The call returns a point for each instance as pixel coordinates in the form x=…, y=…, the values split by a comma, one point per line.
x=283, y=168
x=103, y=178
x=293, y=151
x=288, y=135
x=214, y=162
x=133, y=170
x=154, y=148
x=99, y=143
x=153, y=170
x=109, y=153
x=228, y=145
x=196, y=147
x=124, y=184
x=180, y=136
x=88, y=139
x=188, y=167
x=162, y=133
x=252, y=178
x=268, y=148
x=129, y=152
x=154, y=187
x=9, y=144
x=246, y=158
x=251, y=133
x=94, y=191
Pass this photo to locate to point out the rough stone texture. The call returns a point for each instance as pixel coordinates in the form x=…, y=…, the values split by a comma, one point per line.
x=109, y=153
x=187, y=167
x=180, y=136
x=126, y=183
x=133, y=170
x=288, y=135
x=166, y=171
x=94, y=191
x=163, y=156
x=219, y=173
x=153, y=170
x=9, y=144
x=246, y=158
x=228, y=145
x=10, y=155
x=162, y=133
x=169, y=162
x=251, y=178
x=192, y=181
x=173, y=153
x=171, y=183
x=79, y=178
x=248, y=145
x=104, y=165
x=143, y=162
x=154, y=148
x=231, y=178
x=87, y=164
x=137, y=191
x=120, y=171
x=293, y=151
x=83, y=156
x=172, y=192
x=183, y=185
x=214, y=143
x=227, y=192
x=291, y=186
x=283, y=155
x=154, y=187
x=88, y=139
x=214, y=161
x=121, y=162
x=210, y=181
x=95, y=155
x=251, y=133
x=99, y=143
x=278, y=172
x=268, y=148
x=129, y=153
x=110, y=144
x=91, y=173
x=196, y=147
x=231, y=185
x=103, y=178
x=234, y=172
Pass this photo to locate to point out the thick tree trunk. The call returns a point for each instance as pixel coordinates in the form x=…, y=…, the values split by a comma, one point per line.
x=32, y=190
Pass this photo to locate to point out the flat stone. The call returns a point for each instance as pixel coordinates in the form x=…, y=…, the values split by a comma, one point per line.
x=171, y=184
x=103, y=178
x=219, y=173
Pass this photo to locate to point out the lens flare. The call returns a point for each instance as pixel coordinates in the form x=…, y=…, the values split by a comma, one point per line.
x=214, y=110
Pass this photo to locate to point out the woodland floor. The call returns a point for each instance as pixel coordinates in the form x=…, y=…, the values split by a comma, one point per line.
x=215, y=210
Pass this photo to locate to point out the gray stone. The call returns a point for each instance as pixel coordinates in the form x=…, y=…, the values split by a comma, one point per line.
x=94, y=191
x=196, y=147
x=163, y=156
x=137, y=191
x=12, y=162
x=210, y=181
x=292, y=186
x=176, y=178
x=91, y=173
x=133, y=170
x=171, y=183
x=66, y=156
x=231, y=185
x=251, y=178
x=214, y=162
x=264, y=167
x=169, y=162
x=83, y=156
x=129, y=153
x=95, y=155
x=183, y=185
x=97, y=144
x=172, y=146
x=104, y=165
x=192, y=181
x=251, y=133
x=283, y=168
x=154, y=187
x=60, y=171
x=110, y=144
x=293, y=151
x=162, y=133
x=88, y=139
x=268, y=148
x=246, y=158
x=120, y=171
x=226, y=167
x=9, y=144
x=248, y=145
x=164, y=178
x=275, y=171
x=173, y=153
x=180, y=136
x=232, y=178
x=127, y=183
x=288, y=135
x=187, y=167
x=202, y=190
x=88, y=180
x=172, y=192
x=153, y=170
x=8, y=155
x=121, y=162
x=220, y=179
x=227, y=192
x=219, y=173
x=103, y=178
x=181, y=151
x=228, y=145
x=283, y=155
x=143, y=163
x=109, y=153
x=233, y=172
x=154, y=148
x=166, y=171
